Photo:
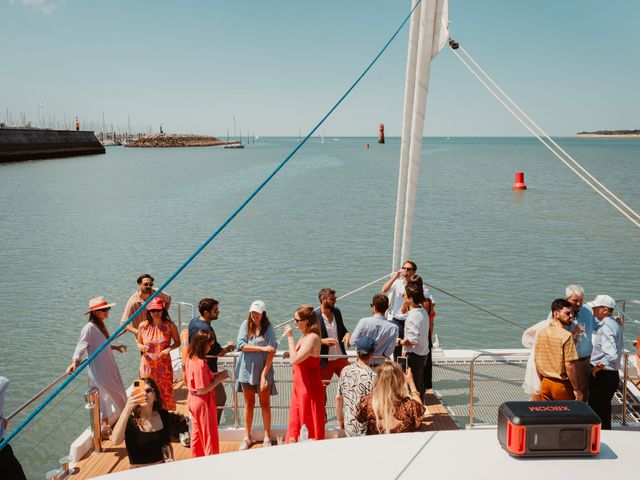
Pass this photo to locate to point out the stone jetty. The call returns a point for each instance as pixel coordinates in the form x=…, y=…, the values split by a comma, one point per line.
x=19, y=144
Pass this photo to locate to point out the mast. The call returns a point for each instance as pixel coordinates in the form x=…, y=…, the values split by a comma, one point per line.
x=429, y=28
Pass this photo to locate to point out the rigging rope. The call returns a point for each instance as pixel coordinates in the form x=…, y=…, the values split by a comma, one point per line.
x=120, y=329
x=575, y=162
x=552, y=150
x=474, y=305
x=342, y=297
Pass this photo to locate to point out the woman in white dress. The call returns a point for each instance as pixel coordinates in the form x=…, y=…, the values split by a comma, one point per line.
x=103, y=370
x=531, y=383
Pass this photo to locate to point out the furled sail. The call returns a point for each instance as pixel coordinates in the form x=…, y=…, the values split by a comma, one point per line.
x=428, y=34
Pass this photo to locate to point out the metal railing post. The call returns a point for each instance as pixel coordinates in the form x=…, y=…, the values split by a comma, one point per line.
x=93, y=405
x=235, y=395
x=471, y=375
x=624, y=388
x=179, y=317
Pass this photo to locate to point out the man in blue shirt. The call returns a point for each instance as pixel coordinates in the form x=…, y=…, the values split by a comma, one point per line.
x=384, y=332
x=582, y=327
x=605, y=359
x=209, y=311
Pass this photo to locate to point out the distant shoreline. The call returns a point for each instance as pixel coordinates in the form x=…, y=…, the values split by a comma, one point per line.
x=602, y=135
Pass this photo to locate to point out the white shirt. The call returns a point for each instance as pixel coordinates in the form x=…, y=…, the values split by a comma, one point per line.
x=396, y=301
x=416, y=330
x=332, y=332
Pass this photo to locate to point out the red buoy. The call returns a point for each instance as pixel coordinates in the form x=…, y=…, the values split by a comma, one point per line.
x=366, y=146
x=519, y=182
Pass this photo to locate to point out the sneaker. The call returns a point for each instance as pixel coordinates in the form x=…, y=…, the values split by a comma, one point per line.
x=245, y=444
x=266, y=442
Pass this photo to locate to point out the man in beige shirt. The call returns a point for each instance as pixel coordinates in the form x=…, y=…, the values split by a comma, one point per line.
x=141, y=295
x=556, y=356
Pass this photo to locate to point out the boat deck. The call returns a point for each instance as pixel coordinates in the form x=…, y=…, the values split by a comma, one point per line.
x=115, y=459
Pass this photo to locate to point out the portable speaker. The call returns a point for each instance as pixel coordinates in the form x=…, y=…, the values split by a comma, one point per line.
x=548, y=429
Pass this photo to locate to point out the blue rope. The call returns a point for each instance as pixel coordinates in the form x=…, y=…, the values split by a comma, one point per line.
x=115, y=334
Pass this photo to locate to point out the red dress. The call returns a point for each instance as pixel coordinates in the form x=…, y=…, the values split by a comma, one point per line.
x=204, y=418
x=307, y=400
x=152, y=364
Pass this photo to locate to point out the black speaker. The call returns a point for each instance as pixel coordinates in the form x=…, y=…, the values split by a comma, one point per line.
x=548, y=429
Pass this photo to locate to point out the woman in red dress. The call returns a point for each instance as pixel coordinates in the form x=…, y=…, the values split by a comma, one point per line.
x=308, y=394
x=201, y=400
x=156, y=337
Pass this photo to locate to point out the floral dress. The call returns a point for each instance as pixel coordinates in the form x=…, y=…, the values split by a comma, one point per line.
x=152, y=364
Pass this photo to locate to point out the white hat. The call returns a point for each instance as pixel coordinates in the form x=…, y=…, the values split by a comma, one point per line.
x=603, y=301
x=258, y=306
x=98, y=303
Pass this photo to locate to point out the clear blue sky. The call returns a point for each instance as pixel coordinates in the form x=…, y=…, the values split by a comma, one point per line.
x=279, y=65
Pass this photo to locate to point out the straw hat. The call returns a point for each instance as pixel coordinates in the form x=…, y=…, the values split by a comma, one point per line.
x=98, y=303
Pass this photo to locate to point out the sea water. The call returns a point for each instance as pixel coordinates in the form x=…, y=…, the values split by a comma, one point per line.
x=72, y=229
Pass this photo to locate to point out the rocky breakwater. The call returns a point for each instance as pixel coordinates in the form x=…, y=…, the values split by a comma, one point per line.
x=164, y=140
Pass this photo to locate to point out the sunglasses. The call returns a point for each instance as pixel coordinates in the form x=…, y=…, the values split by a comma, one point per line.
x=147, y=284
x=148, y=390
x=155, y=311
x=298, y=320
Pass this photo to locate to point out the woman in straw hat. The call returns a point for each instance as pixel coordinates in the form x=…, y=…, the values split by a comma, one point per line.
x=103, y=370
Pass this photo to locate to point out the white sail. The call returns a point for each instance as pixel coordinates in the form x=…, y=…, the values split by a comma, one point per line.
x=429, y=24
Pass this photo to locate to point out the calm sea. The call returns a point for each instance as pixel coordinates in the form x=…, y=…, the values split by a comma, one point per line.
x=75, y=228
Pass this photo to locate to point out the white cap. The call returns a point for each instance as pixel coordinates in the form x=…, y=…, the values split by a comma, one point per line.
x=603, y=301
x=258, y=306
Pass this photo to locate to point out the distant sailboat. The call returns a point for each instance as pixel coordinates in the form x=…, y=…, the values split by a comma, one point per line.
x=235, y=144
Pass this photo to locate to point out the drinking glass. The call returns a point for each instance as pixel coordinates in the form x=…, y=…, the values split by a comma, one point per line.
x=167, y=453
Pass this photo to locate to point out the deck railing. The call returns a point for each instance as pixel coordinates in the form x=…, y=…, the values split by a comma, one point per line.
x=503, y=357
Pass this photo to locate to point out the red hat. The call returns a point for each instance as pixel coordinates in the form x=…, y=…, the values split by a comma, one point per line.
x=155, y=304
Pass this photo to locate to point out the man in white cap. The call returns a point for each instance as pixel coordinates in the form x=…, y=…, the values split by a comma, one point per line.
x=605, y=359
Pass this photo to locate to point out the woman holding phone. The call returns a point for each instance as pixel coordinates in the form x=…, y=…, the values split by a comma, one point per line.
x=201, y=400
x=103, y=370
x=257, y=344
x=394, y=405
x=145, y=426
x=308, y=393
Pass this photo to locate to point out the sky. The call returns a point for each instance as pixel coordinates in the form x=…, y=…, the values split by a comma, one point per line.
x=278, y=66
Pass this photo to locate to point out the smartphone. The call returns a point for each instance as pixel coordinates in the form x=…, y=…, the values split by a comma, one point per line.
x=402, y=361
x=138, y=386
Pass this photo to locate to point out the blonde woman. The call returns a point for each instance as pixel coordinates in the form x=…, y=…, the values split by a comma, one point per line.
x=394, y=405
x=307, y=395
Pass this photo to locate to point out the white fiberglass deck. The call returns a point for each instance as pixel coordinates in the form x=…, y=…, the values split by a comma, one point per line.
x=446, y=454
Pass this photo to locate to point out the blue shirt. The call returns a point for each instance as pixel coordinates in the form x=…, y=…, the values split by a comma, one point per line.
x=607, y=346
x=584, y=342
x=251, y=364
x=196, y=325
x=381, y=330
x=4, y=384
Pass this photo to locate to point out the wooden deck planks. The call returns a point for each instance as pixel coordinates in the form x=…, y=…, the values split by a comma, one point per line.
x=115, y=459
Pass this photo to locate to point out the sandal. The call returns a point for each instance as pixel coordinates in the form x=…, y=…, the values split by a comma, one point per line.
x=245, y=444
x=105, y=432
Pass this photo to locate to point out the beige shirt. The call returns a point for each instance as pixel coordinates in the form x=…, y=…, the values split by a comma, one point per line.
x=554, y=346
x=134, y=303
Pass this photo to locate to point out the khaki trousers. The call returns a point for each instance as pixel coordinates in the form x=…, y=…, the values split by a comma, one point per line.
x=552, y=389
